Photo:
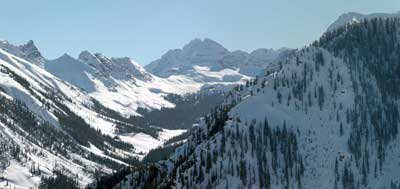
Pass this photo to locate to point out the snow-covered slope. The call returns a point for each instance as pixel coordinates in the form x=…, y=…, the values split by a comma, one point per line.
x=123, y=85
x=29, y=93
x=210, y=54
x=48, y=123
x=118, y=83
x=323, y=117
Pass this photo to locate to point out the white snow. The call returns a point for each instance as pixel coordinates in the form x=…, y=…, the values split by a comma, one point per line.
x=18, y=176
x=144, y=142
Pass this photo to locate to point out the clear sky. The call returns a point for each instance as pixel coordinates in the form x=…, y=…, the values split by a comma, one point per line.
x=146, y=29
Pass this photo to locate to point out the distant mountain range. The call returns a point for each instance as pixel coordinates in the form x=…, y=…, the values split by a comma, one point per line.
x=213, y=56
x=123, y=85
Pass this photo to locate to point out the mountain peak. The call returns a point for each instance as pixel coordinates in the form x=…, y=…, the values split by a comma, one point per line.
x=206, y=43
x=211, y=55
x=354, y=17
x=66, y=57
x=198, y=52
x=121, y=68
x=351, y=14
x=32, y=53
x=86, y=56
x=30, y=43
x=26, y=51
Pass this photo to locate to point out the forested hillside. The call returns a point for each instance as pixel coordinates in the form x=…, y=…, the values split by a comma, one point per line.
x=326, y=116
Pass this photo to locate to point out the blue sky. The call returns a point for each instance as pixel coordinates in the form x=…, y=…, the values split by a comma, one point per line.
x=144, y=30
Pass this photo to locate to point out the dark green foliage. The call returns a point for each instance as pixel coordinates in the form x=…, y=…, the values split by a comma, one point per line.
x=216, y=121
x=83, y=133
x=106, y=111
x=188, y=110
x=279, y=96
x=341, y=129
x=61, y=180
x=123, y=125
x=22, y=81
x=160, y=153
x=321, y=97
x=47, y=136
x=347, y=177
x=40, y=131
x=243, y=172
x=371, y=50
x=371, y=45
x=109, y=181
x=319, y=60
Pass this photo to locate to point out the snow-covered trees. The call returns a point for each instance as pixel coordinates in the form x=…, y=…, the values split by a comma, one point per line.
x=371, y=51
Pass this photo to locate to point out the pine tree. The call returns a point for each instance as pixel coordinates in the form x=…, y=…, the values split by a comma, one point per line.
x=341, y=129
x=243, y=172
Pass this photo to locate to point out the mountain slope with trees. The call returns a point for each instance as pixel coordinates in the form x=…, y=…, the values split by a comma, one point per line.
x=326, y=116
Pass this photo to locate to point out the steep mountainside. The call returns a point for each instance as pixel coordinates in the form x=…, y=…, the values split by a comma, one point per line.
x=326, y=116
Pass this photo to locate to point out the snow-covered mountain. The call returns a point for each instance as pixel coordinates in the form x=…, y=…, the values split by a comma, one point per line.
x=123, y=85
x=208, y=61
x=322, y=117
x=118, y=83
x=354, y=17
x=48, y=124
x=27, y=51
